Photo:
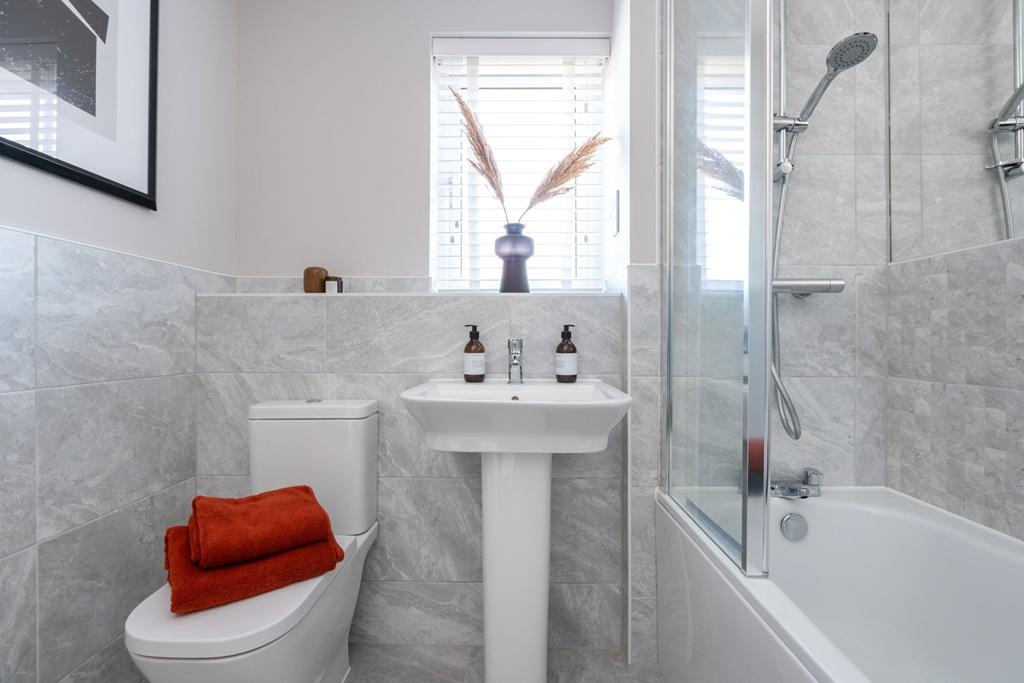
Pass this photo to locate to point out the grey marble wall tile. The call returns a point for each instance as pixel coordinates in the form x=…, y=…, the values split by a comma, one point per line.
x=599, y=333
x=815, y=23
x=827, y=408
x=818, y=334
x=644, y=626
x=17, y=472
x=351, y=284
x=253, y=333
x=413, y=333
x=905, y=22
x=112, y=664
x=962, y=88
x=834, y=123
x=107, y=316
x=223, y=487
x=719, y=334
x=872, y=312
x=222, y=414
x=905, y=98
x=392, y=284
x=641, y=511
x=92, y=577
x=871, y=78
x=870, y=432
x=586, y=530
x=711, y=415
x=402, y=450
x=906, y=200
x=872, y=210
x=645, y=426
x=431, y=530
x=269, y=285
x=820, y=222
x=644, y=302
x=17, y=315
x=585, y=615
x=410, y=663
x=961, y=202
x=956, y=22
x=608, y=464
x=965, y=332
x=421, y=613
x=205, y=282
x=101, y=446
x=18, y=617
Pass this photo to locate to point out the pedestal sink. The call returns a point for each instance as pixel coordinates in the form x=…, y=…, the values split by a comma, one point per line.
x=516, y=428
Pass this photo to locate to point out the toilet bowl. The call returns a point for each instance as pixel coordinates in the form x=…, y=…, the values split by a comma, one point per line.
x=298, y=633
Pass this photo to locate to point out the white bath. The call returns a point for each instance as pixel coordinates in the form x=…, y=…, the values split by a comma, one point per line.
x=884, y=588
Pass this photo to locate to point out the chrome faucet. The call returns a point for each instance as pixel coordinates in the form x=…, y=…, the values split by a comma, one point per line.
x=808, y=487
x=515, y=361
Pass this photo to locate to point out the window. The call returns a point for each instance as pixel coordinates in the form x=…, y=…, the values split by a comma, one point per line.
x=720, y=131
x=534, y=108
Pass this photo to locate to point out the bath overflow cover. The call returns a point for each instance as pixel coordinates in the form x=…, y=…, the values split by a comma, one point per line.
x=794, y=527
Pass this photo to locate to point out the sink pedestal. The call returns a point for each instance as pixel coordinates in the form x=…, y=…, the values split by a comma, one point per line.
x=517, y=547
x=515, y=428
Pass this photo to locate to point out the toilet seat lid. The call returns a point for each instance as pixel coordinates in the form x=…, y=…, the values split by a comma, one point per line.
x=152, y=630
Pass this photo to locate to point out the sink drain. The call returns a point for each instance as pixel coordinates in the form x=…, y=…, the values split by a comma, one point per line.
x=515, y=398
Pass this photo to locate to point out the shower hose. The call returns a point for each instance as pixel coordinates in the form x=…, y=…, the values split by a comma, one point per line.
x=787, y=409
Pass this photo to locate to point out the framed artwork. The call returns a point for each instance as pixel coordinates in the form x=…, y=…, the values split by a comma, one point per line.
x=78, y=91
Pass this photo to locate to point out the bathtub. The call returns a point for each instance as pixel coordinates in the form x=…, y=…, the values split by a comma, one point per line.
x=884, y=588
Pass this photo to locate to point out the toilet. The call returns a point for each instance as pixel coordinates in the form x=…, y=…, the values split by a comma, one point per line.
x=298, y=633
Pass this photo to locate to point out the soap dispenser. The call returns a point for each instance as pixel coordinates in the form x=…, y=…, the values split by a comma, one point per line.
x=566, y=363
x=474, y=361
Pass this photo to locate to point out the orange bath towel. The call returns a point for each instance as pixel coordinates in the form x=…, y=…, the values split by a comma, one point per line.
x=228, y=530
x=194, y=588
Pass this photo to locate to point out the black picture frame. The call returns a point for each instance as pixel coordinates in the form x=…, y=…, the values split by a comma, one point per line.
x=85, y=177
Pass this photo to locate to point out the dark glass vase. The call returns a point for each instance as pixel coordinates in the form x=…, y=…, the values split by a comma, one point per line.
x=513, y=248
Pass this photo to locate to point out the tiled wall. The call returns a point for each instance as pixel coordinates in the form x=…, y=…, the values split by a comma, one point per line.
x=422, y=583
x=836, y=226
x=644, y=357
x=97, y=448
x=952, y=71
x=359, y=284
x=956, y=383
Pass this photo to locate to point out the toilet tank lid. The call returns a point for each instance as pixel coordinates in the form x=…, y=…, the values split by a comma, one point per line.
x=313, y=409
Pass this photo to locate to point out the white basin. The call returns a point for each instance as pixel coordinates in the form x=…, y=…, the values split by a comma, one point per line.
x=538, y=416
x=516, y=428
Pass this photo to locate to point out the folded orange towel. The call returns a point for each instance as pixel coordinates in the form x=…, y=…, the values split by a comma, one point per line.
x=229, y=530
x=193, y=588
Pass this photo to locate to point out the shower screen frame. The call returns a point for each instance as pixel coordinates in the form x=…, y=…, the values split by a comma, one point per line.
x=754, y=454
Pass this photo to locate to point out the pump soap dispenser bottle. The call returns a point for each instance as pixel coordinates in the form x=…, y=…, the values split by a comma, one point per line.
x=566, y=364
x=474, y=361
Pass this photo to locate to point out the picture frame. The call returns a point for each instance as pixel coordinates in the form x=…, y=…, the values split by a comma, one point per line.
x=78, y=91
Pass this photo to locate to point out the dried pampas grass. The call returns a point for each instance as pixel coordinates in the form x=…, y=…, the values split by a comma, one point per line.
x=483, y=161
x=575, y=164
x=555, y=183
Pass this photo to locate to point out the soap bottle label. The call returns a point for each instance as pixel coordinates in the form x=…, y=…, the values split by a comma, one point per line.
x=474, y=364
x=565, y=363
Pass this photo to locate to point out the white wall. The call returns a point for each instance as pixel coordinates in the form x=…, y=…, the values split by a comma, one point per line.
x=195, y=223
x=644, y=124
x=334, y=133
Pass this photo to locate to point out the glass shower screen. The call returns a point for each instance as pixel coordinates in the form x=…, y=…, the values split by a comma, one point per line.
x=718, y=196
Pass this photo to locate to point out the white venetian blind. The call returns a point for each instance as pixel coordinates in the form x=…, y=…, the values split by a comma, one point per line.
x=28, y=114
x=534, y=109
x=721, y=131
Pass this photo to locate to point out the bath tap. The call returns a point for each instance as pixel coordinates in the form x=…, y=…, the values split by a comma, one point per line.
x=808, y=487
x=515, y=361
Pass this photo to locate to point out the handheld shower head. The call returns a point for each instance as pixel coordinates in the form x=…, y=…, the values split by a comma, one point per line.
x=846, y=54
x=851, y=51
